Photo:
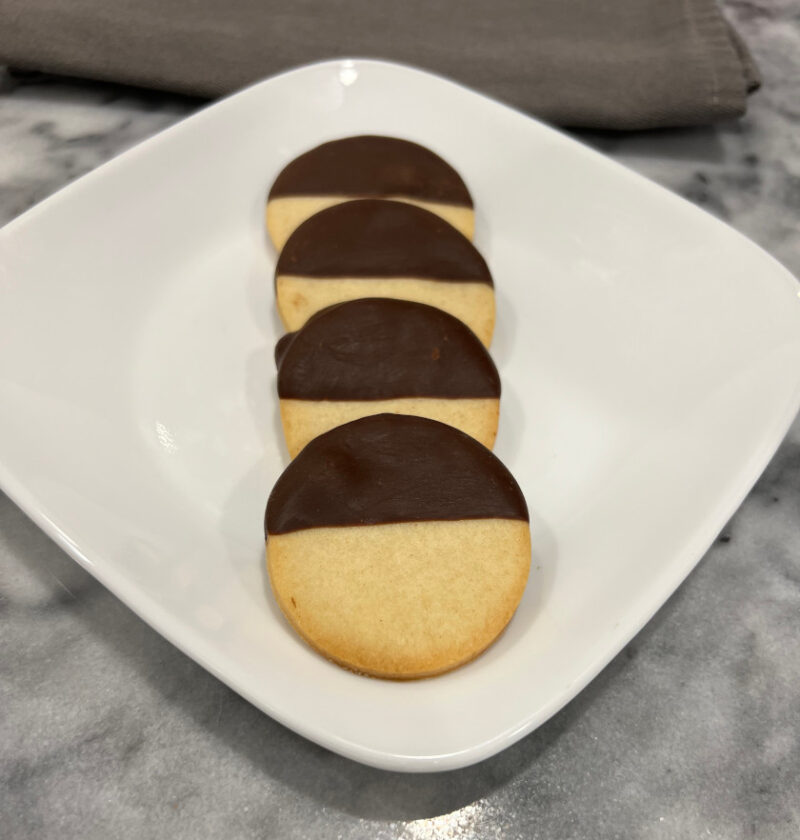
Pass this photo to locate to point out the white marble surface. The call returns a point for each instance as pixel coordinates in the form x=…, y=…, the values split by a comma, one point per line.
x=693, y=731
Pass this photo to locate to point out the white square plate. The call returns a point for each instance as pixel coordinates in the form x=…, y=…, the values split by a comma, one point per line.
x=650, y=359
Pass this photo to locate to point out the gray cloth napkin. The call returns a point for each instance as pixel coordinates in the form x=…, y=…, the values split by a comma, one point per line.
x=593, y=63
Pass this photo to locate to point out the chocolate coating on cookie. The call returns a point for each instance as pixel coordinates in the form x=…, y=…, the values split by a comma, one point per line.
x=375, y=238
x=389, y=468
x=382, y=348
x=370, y=165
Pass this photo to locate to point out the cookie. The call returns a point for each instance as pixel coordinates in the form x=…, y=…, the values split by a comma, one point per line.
x=375, y=248
x=376, y=355
x=366, y=167
x=397, y=546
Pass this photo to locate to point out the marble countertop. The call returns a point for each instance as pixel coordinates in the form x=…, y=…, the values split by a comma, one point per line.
x=692, y=731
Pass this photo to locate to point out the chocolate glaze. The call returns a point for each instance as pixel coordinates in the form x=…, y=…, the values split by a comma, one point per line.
x=392, y=468
x=282, y=344
x=372, y=166
x=375, y=238
x=381, y=348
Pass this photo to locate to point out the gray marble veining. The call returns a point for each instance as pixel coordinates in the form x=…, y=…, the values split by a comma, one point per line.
x=693, y=730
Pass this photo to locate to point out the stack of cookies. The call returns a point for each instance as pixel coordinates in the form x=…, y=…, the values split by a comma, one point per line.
x=398, y=545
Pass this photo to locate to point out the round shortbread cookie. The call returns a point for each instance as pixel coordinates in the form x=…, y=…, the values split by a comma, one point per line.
x=378, y=355
x=388, y=249
x=367, y=166
x=397, y=546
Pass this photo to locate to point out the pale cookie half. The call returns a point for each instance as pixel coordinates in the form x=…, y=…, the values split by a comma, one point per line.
x=387, y=249
x=378, y=355
x=397, y=546
x=367, y=166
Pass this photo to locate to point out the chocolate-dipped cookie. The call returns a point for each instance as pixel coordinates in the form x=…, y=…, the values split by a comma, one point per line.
x=397, y=546
x=367, y=166
x=377, y=355
x=374, y=248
